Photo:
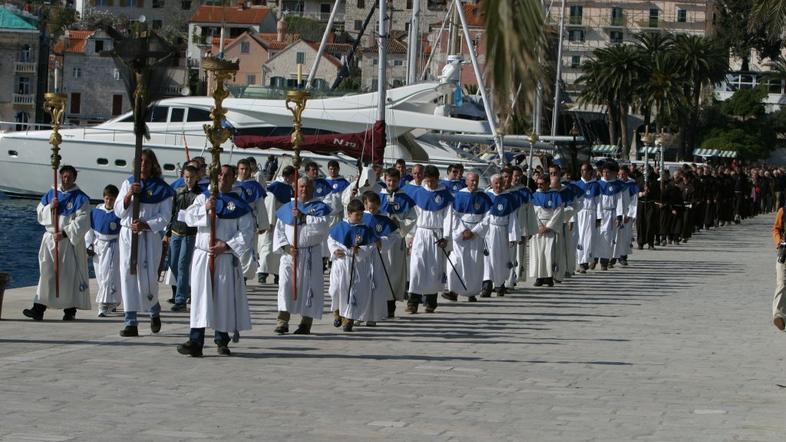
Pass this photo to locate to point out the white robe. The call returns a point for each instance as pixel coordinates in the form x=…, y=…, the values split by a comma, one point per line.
x=543, y=253
x=397, y=254
x=623, y=247
x=269, y=259
x=528, y=225
x=467, y=255
x=586, y=217
x=566, y=247
x=427, y=261
x=355, y=301
x=310, y=283
x=250, y=260
x=224, y=309
x=140, y=291
x=610, y=207
x=502, y=231
x=74, y=288
x=106, y=263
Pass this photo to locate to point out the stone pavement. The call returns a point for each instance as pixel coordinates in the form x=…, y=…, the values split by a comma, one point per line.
x=676, y=347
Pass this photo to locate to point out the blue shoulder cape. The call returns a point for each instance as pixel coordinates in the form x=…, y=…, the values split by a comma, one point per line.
x=104, y=222
x=503, y=204
x=454, y=185
x=313, y=208
x=432, y=200
x=472, y=202
x=550, y=199
x=230, y=205
x=338, y=184
x=590, y=189
x=610, y=188
x=322, y=188
x=252, y=190
x=281, y=191
x=67, y=202
x=402, y=203
x=381, y=225
x=351, y=235
x=633, y=188
x=154, y=190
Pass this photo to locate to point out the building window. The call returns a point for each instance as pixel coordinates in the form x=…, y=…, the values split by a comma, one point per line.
x=576, y=13
x=575, y=61
x=99, y=46
x=185, y=5
x=117, y=104
x=116, y=74
x=409, y=4
x=398, y=62
x=76, y=73
x=23, y=85
x=358, y=25
x=374, y=84
x=682, y=15
x=654, y=14
x=76, y=102
x=25, y=54
x=616, y=37
x=617, y=17
x=22, y=117
x=251, y=79
x=361, y=4
x=102, y=2
x=300, y=58
x=375, y=61
x=245, y=47
x=158, y=4
x=576, y=35
x=157, y=24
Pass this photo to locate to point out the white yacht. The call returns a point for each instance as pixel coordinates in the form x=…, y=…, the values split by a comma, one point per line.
x=104, y=154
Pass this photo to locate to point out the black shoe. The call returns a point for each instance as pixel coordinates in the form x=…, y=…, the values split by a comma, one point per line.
x=347, y=327
x=275, y=279
x=550, y=282
x=69, y=317
x=624, y=262
x=412, y=307
x=501, y=292
x=472, y=299
x=261, y=278
x=302, y=330
x=171, y=300
x=36, y=313
x=155, y=324
x=391, y=309
x=222, y=350
x=178, y=308
x=450, y=296
x=538, y=282
x=190, y=348
x=281, y=329
x=129, y=331
x=641, y=246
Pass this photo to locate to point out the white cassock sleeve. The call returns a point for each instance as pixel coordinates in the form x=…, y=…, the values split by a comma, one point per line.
x=242, y=241
x=78, y=225
x=555, y=222
x=196, y=213
x=514, y=231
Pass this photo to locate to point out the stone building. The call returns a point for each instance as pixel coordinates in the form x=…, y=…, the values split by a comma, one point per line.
x=158, y=13
x=207, y=21
x=401, y=11
x=397, y=64
x=281, y=69
x=18, y=69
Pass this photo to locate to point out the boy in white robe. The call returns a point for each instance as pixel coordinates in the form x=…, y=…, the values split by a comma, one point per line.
x=140, y=289
x=219, y=301
x=254, y=194
x=610, y=212
x=427, y=261
x=630, y=195
x=72, y=206
x=399, y=207
x=311, y=216
x=388, y=235
x=101, y=242
x=468, y=232
x=352, y=244
x=587, y=221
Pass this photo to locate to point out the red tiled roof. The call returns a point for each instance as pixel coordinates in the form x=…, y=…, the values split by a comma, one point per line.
x=394, y=47
x=277, y=45
x=233, y=15
x=329, y=57
x=77, y=42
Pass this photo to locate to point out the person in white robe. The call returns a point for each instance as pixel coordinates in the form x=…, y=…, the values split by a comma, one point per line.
x=219, y=300
x=312, y=219
x=400, y=208
x=279, y=192
x=630, y=194
x=610, y=212
x=469, y=225
x=503, y=232
x=352, y=246
x=73, y=221
x=528, y=225
x=427, y=260
x=388, y=235
x=254, y=194
x=587, y=220
x=139, y=286
x=102, y=243
x=543, y=249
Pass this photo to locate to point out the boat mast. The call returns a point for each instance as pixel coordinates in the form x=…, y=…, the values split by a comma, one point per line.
x=383, y=60
x=490, y=115
x=414, y=44
x=555, y=111
x=322, y=44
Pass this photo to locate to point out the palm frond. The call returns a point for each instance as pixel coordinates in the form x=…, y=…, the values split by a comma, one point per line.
x=769, y=14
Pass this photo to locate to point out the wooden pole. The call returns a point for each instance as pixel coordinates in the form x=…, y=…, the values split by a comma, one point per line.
x=55, y=105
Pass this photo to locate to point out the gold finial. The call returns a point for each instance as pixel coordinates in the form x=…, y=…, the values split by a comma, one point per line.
x=220, y=70
x=296, y=103
x=55, y=106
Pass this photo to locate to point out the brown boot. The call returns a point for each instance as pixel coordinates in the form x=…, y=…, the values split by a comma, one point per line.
x=779, y=323
x=346, y=324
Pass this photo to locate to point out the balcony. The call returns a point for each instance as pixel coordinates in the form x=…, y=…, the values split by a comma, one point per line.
x=576, y=21
x=615, y=22
x=651, y=23
x=23, y=99
x=22, y=67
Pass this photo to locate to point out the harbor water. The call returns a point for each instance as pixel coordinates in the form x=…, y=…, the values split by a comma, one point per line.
x=20, y=236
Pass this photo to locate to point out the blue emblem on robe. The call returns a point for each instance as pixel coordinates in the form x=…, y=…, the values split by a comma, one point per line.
x=104, y=222
x=432, y=200
x=351, y=235
x=550, y=199
x=380, y=224
x=338, y=184
x=402, y=203
x=610, y=188
x=230, y=205
x=504, y=204
x=589, y=189
x=472, y=202
x=251, y=190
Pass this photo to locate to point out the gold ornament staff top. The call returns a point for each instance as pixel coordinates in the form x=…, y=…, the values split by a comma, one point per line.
x=296, y=103
x=219, y=70
x=55, y=106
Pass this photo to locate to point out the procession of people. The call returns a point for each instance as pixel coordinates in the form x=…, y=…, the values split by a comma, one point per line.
x=387, y=236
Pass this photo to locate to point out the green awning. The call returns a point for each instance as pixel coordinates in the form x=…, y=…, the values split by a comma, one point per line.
x=605, y=149
x=700, y=152
x=650, y=150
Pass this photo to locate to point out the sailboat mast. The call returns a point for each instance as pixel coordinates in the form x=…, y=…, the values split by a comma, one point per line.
x=414, y=44
x=558, y=81
x=383, y=60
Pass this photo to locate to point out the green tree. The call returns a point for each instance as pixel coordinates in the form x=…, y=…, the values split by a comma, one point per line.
x=742, y=29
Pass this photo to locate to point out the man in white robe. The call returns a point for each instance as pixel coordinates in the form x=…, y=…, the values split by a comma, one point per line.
x=587, y=220
x=279, y=192
x=253, y=193
x=630, y=195
x=219, y=301
x=528, y=225
x=140, y=289
x=503, y=232
x=73, y=208
x=427, y=261
x=399, y=207
x=468, y=232
x=610, y=212
x=312, y=219
x=543, y=249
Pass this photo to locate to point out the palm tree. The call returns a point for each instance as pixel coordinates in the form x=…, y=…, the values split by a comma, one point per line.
x=613, y=75
x=662, y=89
x=701, y=62
x=771, y=14
x=515, y=43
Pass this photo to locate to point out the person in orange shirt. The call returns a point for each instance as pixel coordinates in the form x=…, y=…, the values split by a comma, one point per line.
x=779, y=300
